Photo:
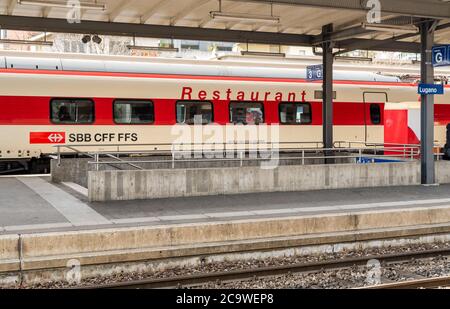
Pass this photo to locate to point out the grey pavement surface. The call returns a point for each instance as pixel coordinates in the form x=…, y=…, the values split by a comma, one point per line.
x=19, y=205
x=29, y=204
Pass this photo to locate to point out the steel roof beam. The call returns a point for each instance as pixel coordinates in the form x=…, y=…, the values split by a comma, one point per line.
x=151, y=31
x=370, y=44
x=380, y=45
x=152, y=11
x=119, y=9
x=358, y=30
x=185, y=11
x=417, y=8
x=188, y=33
x=341, y=35
x=11, y=6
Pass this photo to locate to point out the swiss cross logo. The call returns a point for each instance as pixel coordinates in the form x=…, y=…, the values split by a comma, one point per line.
x=56, y=138
x=47, y=137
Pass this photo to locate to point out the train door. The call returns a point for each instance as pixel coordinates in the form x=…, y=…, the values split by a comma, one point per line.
x=374, y=103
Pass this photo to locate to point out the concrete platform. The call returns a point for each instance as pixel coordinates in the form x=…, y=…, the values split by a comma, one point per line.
x=46, y=226
x=35, y=204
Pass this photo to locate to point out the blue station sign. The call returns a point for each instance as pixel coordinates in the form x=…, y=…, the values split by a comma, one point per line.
x=441, y=55
x=425, y=89
x=314, y=72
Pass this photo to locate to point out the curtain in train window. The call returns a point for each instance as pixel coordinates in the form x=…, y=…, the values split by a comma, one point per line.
x=72, y=111
x=192, y=112
x=246, y=113
x=133, y=112
x=295, y=113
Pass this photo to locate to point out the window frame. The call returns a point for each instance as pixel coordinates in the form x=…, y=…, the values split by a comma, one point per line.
x=72, y=99
x=294, y=104
x=247, y=102
x=194, y=101
x=379, y=114
x=135, y=100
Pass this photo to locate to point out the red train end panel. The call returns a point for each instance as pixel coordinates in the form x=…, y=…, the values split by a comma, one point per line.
x=47, y=137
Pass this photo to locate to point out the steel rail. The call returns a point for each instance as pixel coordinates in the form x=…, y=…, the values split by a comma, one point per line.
x=427, y=283
x=247, y=274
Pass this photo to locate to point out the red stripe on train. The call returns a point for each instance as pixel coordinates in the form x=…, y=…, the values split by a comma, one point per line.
x=47, y=137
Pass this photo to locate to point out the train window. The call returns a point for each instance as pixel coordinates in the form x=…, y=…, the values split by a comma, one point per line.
x=295, y=113
x=133, y=112
x=72, y=111
x=192, y=112
x=250, y=113
x=375, y=113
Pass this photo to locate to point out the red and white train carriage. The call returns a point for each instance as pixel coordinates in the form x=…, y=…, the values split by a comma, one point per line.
x=96, y=100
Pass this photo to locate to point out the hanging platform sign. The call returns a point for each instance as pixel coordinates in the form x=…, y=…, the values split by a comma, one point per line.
x=441, y=55
x=314, y=72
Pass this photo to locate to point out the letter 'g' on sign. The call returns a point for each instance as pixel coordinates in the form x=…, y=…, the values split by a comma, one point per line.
x=441, y=55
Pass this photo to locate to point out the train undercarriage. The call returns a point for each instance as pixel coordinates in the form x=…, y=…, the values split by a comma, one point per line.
x=24, y=167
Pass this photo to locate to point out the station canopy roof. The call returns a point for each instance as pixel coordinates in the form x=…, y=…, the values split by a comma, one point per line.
x=287, y=22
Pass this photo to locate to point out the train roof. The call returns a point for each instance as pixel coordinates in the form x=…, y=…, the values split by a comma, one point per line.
x=124, y=64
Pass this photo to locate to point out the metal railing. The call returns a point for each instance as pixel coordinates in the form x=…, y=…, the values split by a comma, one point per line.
x=268, y=151
x=439, y=155
x=169, y=148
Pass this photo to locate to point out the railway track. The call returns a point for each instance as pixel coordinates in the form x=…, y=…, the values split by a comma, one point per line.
x=428, y=283
x=193, y=280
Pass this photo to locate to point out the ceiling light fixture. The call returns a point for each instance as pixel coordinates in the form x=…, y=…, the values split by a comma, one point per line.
x=350, y=58
x=153, y=48
x=169, y=48
x=63, y=4
x=244, y=17
x=391, y=28
x=26, y=42
x=262, y=54
x=220, y=15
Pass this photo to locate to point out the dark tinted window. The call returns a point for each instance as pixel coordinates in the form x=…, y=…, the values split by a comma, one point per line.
x=133, y=112
x=246, y=113
x=375, y=113
x=72, y=111
x=191, y=112
x=295, y=113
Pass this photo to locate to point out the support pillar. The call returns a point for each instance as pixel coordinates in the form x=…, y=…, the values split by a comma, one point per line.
x=427, y=104
x=327, y=105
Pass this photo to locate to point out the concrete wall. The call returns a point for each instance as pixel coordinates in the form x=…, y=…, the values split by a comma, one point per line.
x=70, y=170
x=76, y=169
x=149, y=184
x=443, y=172
x=9, y=253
